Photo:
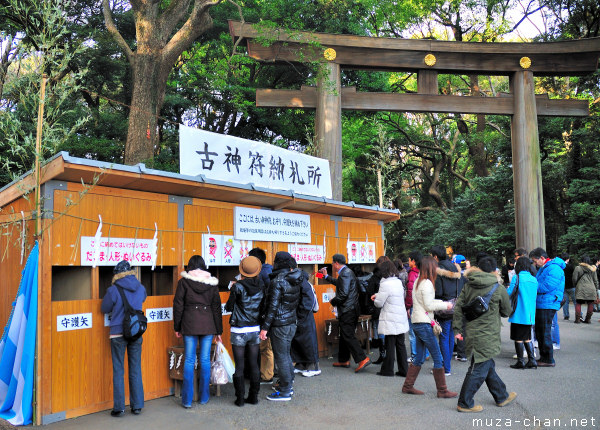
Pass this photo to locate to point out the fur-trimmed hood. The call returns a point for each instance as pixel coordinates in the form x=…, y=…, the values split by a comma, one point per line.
x=447, y=273
x=200, y=276
x=122, y=275
x=589, y=267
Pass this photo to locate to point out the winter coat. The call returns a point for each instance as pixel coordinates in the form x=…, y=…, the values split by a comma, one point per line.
x=413, y=275
x=346, y=291
x=305, y=348
x=525, y=311
x=425, y=303
x=246, y=302
x=265, y=271
x=197, y=305
x=448, y=284
x=585, y=279
x=135, y=293
x=373, y=288
x=482, y=335
x=551, y=284
x=569, y=269
x=283, y=298
x=393, y=318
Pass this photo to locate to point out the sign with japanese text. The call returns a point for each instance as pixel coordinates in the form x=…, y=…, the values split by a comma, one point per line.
x=73, y=322
x=270, y=226
x=139, y=252
x=159, y=314
x=243, y=161
x=220, y=250
x=361, y=252
x=307, y=254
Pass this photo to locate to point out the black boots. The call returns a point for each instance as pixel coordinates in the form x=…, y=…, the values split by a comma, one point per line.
x=381, y=352
x=253, y=391
x=588, y=318
x=520, y=364
x=531, y=363
x=578, y=318
x=238, y=384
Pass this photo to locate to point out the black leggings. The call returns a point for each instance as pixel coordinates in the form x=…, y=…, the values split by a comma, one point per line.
x=238, y=357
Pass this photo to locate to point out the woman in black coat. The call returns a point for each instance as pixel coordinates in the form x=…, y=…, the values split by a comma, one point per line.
x=305, y=349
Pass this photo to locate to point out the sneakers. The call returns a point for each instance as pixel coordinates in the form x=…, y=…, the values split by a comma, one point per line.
x=114, y=413
x=275, y=387
x=136, y=411
x=463, y=359
x=311, y=373
x=296, y=370
x=476, y=408
x=410, y=359
x=511, y=396
x=278, y=396
x=555, y=346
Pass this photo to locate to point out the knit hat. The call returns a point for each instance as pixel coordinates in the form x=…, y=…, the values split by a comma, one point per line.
x=250, y=267
x=122, y=266
x=284, y=260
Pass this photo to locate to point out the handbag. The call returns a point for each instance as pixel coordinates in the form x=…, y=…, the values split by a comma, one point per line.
x=435, y=326
x=514, y=296
x=227, y=361
x=218, y=374
x=478, y=306
x=448, y=313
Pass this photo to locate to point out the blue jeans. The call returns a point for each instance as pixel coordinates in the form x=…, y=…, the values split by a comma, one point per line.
x=570, y=295
x=427, y=340
x=281, y=341
x=118, y=345
x=555, y=331
x=477, y=374
x=413, y=340
x=447, y=343
x=187, y=391
x=543, y=333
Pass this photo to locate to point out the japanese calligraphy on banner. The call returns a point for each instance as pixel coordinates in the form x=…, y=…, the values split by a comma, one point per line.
x=139, y=252
x=243, y=161
x=159, y=314
x=73, y=322
x=361, y=252
x=220, y=250
x=270, y=226
x=307, y=254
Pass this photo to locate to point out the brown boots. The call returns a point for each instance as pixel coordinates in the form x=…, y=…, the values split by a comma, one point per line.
x=440, y=383
x=411, y=377
x=588, y=318
x=578, y=318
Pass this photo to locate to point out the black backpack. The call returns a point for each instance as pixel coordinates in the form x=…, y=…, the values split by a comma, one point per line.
x=135, y=322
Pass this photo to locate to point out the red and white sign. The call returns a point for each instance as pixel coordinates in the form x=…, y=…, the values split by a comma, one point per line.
x=361, y=252
x=139, y=252
x=307, y=254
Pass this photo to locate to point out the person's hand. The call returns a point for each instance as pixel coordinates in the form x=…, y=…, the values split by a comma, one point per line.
x=177, y=334
x=218, y=338
x=263, y=335
x=323, y=271
x=458, y=336
x=449, y=305
x=373, y=297
x=467, y=264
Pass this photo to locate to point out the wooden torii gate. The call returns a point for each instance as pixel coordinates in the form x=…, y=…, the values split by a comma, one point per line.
x=427, y=58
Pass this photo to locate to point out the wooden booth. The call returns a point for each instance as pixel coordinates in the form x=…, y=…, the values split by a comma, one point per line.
x=138, y=207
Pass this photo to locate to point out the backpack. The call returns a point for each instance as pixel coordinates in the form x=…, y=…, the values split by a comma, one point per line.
x=134, y=321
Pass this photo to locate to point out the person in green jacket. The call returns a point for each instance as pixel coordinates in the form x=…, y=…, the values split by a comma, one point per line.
x=482, y=336
x=585, y=280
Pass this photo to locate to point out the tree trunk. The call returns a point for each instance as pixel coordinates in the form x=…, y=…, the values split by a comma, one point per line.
x=476, y=145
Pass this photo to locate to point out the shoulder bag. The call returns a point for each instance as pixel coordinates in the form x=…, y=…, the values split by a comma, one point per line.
x=478, y=306
x=134, y=321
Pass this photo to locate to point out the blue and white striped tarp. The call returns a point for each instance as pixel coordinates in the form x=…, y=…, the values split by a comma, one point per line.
x=17, y=349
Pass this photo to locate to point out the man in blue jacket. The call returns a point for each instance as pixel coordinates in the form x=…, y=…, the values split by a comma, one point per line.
x=124, y=277
x=551, y=285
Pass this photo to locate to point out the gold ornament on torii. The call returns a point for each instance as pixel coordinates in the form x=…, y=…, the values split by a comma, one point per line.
x=430, y=60
x=525, y=62
x=329, y=54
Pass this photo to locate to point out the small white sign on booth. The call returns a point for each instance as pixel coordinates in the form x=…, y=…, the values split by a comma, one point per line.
x=74, y=321
x=270, y=226
x=159, y=314
x=220, y=250
x=139, y=252
x=361, y=252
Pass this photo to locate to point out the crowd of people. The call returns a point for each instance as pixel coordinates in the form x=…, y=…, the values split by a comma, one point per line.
x=448, y=308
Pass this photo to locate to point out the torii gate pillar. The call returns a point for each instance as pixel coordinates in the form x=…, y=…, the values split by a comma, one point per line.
x=328, y=123
x=527, y=169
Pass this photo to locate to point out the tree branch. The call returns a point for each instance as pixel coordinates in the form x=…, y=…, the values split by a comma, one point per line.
x=112, y=29
x=418, y=211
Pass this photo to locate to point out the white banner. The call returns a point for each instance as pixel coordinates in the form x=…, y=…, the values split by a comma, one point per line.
x=307, y=254
x=139, y=252
x=361, y=252
x=243, y=161
x=270, y=226
x=74, y=322
x=220, y=250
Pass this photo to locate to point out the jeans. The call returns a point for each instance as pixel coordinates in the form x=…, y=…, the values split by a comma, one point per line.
x=555, y=330
x=543, y=333
x=447, y=343
x=427, y=340
x=187, y=391
x=118, y=345
x=281, y=341
x=570, y=295
x=412, y=339
x=477, y=374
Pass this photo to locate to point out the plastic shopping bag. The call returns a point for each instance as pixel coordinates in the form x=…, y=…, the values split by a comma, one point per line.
x=218, y=374
x=227, y=361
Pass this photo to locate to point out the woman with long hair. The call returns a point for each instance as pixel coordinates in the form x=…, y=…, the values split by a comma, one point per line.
x=523, y=292
x=585, y=280
x=424, y=304
x=393, y=319
x=197, y=316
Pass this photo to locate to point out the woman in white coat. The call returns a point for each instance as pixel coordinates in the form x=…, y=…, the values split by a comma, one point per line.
x=393, y=319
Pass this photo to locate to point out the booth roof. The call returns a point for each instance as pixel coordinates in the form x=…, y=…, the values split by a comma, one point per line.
x=63, y=167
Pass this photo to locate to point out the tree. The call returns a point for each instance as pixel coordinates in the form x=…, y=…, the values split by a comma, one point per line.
x=160, y=40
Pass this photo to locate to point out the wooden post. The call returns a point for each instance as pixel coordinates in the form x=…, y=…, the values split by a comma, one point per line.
x=379, y=188
x=527, y=169
x=328, y=123
x=38, y=153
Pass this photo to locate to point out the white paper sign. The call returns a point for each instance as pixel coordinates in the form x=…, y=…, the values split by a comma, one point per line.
x=74, y=322
x=243, y=161
x=307, y=254
x=107, y=319
x=223, y=311
x=361, y=252
x=270, y=226
x=159, y=314
x=137, y=251
x=219, y=250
